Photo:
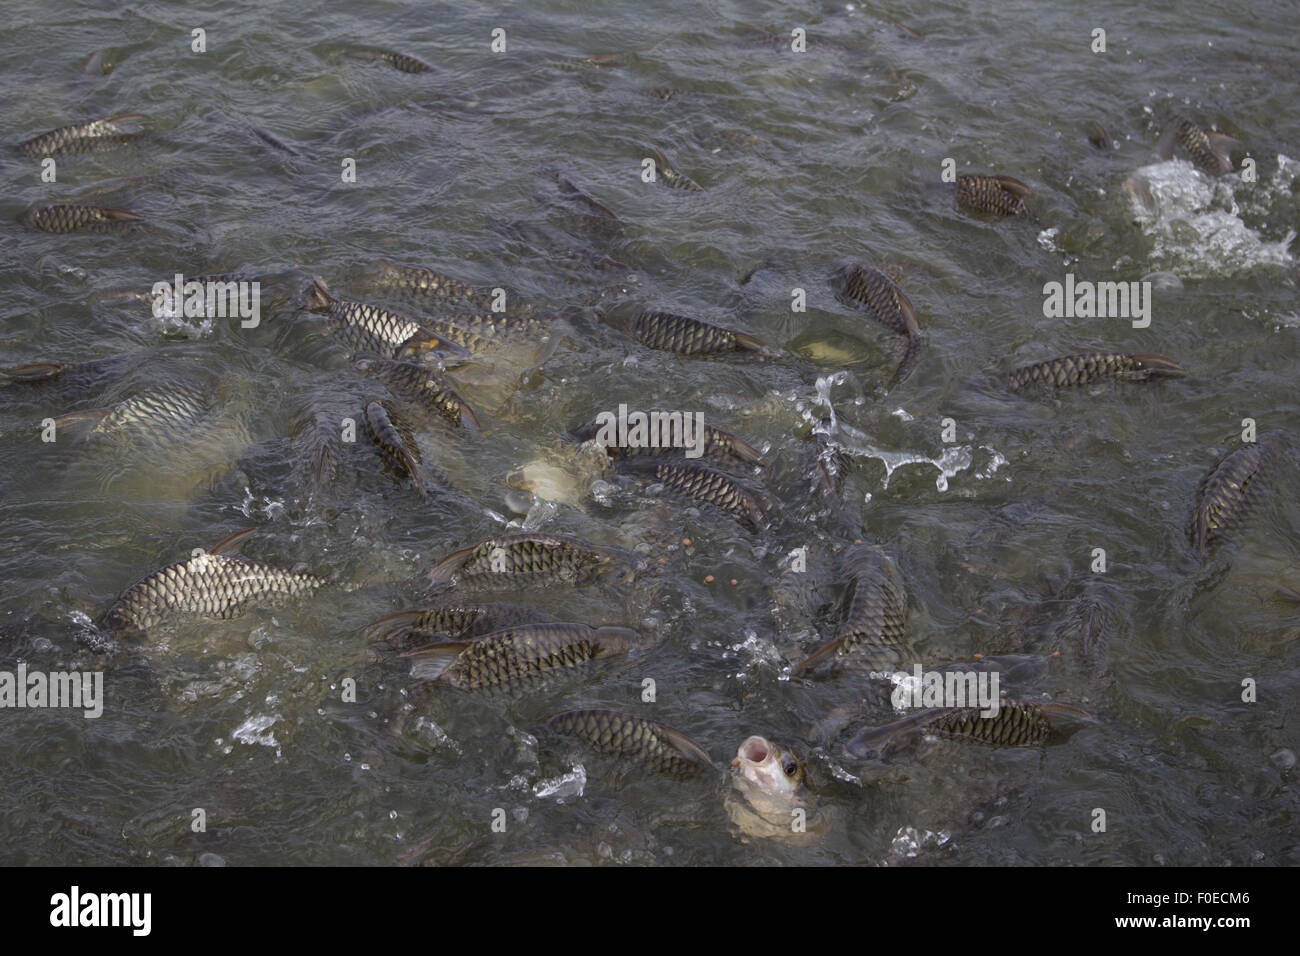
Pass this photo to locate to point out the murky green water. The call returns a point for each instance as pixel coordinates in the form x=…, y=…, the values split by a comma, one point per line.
x=807, y=161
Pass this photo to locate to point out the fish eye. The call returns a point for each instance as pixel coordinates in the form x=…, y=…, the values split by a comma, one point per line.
x=790, y=767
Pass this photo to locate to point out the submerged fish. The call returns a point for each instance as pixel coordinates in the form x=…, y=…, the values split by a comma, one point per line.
x=700, y=483
x=874, y=626
x=62, y=218
x=996, y=195
x=370, y=328
x=423, y=284
x=399, y=61
x=393, y=437
x=1015, y=725
x=661, y=748
x=869, y=286
x=671, y=177
x=719, y=446
x=1097, y=135
x=518, y=655
x=66, y=376
x=451, y=621
x=1207, y=148
x=423, y=387
x=1227, y=494
x=525, y=560
x=92, y=137
x=318, y=435
x=682, y=334
x=209, y=585
x=1071, y=370
x=167, y=412
x=483, y=331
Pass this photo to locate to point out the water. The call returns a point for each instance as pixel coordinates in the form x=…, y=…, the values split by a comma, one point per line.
x=807, y=161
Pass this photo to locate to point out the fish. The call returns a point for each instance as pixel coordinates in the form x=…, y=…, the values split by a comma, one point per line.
x=519, y=655
x=212, y=584
x=996, y=195
x=424, y=285
x=1228, y=492
x=171, y=411
x=522, y=560
x=590, y=206
x=770, y=781
x=682, y=334
x=719, y=446
x=64, y=218
x=867, y=285
x=451, y=621
x=873, y=628
x=93, y=137
x=423, y=387
x=66, y=376
x=661, y=748
x=1097, y=135
x=700, y=483
x=671, y=177
x=318, y=434
x=368, y=328
x=770, y=767
x=1208, y=149
x=1015, y=725
x=399, y=61
x=482, y=331
x=395, y=442
x=1084, y=369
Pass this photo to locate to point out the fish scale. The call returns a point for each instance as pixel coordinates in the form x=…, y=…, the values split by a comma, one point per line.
x=456, y=621
x=684, y=335
x=1084, y=369
x=874, y=626
x=93, y=137
x=424, y=386
x=700, y=483
x=416, y=283
x=1227, y=494
x=536, y=559
x=1000, y=195
x=208, y=585
x=719, y=446
x=63, y=218
x=528, y=653
x=661, y=748
x=1016, y=725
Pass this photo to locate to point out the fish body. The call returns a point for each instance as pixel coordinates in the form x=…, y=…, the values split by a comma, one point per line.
x=657, y=746
x=1014, y=725
x=993, y=195
x=1208, y=149
x=1073, y=370
x=700, y=483
x=368, y=328
x=453, y=621
x=682, y=334
x=667, y=174
x=395, y=442
x=867, y=285
x=520, y=655
x=1227, y=494
x=1098, y=136
x=539, y=560
x=210, y=585
x=318, y=435
x=873, y=628
x=482, y=331
x=398, y=61
x=423, y=387
x=427, y=286
x=169, y=411
x=64, y=218
x=93, y=137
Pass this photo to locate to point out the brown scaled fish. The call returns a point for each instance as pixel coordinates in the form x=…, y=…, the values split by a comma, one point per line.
x=661, y=748
x=526, y=654
x=63, y=218
x=395, y=442
x=682, y=334
x=873, y=629
x=1072, y=370
x=991, y=195
x=1014, y=725
x=699, y=483
x=398, y=61
x=719, y=446
x=368, y=328
x=423, y=387
x=1207, y=148
x=867, y=285
x=524, y=560
x=92, y=137
x=1227, y=494
x=671, y=177
x=457, y=622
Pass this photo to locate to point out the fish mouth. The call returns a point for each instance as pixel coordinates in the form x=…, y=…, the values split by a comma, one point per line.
x=754, y=750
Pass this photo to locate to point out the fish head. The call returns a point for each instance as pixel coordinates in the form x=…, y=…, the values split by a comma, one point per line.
x=769, y=767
